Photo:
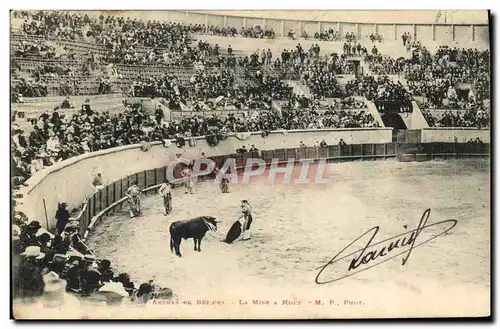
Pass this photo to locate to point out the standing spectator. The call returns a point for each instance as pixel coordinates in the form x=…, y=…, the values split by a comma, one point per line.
x=86, y=107
x=269, y=56
x=62, y=217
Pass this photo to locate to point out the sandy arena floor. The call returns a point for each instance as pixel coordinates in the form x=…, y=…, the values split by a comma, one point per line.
x=298, y=228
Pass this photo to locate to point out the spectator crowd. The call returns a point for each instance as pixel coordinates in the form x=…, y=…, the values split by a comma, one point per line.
x=380, y=88
x=59, y=272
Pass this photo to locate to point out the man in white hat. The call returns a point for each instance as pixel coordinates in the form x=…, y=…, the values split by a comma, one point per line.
x=34, y=256
x=114, y=293
x=56, y=299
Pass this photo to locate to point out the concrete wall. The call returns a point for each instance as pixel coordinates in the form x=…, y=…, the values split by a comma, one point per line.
x=71, y=180
x=440, y=134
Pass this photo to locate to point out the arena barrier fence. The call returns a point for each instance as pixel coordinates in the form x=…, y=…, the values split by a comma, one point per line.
x=111, y=197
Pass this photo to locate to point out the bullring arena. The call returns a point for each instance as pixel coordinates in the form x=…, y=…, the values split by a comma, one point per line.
x=392, y=143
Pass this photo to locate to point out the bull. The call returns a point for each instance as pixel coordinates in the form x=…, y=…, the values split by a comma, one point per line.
x=195, y=228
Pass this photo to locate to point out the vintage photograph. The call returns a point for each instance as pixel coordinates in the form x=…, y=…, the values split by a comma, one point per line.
x=190, y=164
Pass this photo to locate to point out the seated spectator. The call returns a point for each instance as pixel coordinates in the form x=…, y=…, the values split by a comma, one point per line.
x=29, y=236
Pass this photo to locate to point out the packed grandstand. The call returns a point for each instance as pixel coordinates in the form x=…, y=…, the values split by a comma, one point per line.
x=218, y=91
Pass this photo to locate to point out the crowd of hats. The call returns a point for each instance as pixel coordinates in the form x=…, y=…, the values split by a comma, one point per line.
x=48, y=266
x=166, y=41
x=55, y=137
x=474, y=118
x=75, y=26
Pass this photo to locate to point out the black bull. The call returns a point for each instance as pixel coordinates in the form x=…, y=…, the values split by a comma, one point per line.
x=195, y=228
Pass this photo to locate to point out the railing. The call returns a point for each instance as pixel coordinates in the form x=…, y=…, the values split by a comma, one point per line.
x=112, y=196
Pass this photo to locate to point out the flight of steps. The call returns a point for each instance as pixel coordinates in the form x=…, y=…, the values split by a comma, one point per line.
x=416, y=119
